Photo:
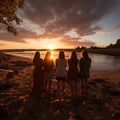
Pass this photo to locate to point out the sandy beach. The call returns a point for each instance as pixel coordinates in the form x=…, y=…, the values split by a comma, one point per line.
x=17, y=102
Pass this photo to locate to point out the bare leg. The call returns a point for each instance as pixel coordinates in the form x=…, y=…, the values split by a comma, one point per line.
x=58, y=86
x=63, y=86
x=85, y=87
x=76, y=88
x=49, y=85
x=82, y=86
x=45, y=84
x=72, y=87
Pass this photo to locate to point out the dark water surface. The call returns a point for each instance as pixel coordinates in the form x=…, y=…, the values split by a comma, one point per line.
x=100, y=62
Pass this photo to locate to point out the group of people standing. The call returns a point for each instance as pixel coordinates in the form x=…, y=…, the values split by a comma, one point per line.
x=78, y=70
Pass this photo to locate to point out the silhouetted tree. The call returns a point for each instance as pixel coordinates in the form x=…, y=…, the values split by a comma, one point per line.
x=118, y=41
x=8, y=9
x=83, y=47
x=117, y=45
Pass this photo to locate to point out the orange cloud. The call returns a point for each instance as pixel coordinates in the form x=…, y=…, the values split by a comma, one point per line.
x=70, y=20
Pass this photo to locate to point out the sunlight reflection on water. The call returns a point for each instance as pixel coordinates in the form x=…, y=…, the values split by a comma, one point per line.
x=99, y=62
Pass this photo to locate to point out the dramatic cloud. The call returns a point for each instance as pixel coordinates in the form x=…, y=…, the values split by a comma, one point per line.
x=76, y=42
x=73, y=19
x=60, y=16
x=20, y=38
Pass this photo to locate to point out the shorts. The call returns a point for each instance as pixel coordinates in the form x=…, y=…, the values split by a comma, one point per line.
x=61, y=78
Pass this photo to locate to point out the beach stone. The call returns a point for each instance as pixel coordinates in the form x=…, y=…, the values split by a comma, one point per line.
x=92, y=83
x=16, y=71
x=4, y=113
x=8, y=72
x=5, y=86
x=4, y=66
x=9, y=75
x=100, y=80
x=6, y=57
x=115, y=92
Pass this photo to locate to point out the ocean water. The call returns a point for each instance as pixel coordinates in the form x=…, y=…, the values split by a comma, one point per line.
x=100, y=62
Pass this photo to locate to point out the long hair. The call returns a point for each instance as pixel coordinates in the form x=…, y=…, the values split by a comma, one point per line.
x=73, y=56
x=36, y=57
x=61, y=55
x=47, y=56
x=85, y=54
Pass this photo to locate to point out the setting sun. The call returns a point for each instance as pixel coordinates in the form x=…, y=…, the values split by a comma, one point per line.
x=51, y=46
x=51, y=57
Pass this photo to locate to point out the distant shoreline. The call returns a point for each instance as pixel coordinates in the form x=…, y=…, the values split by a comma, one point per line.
x=113, y=52
x=105, y=51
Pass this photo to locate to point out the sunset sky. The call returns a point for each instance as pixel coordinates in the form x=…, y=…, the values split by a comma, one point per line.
x=65, y=24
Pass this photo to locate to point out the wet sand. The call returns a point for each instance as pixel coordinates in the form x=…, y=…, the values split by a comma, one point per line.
x=17, y=102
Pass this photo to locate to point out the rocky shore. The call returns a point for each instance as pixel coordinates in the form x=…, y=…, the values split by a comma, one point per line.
x=17, y=102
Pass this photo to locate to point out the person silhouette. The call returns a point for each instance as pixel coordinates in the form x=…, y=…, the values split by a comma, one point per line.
x=61, y=72
x=73, y=73
x=38, y=74
x=48, y=70
x=84, y=64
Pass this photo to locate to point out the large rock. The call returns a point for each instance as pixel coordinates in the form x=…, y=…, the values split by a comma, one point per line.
x=9, y=75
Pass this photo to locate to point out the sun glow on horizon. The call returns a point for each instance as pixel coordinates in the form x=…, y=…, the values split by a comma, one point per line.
x=44, y=43
x=51, y=57
x=51, y=46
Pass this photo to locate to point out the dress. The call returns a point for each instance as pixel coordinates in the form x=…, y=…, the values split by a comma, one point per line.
x=84, y=65
x=61, y=69
x=72, y=71
x=48, y=69
x=38, y=76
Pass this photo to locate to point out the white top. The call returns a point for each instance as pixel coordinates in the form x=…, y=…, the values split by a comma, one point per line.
x=61, y=67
